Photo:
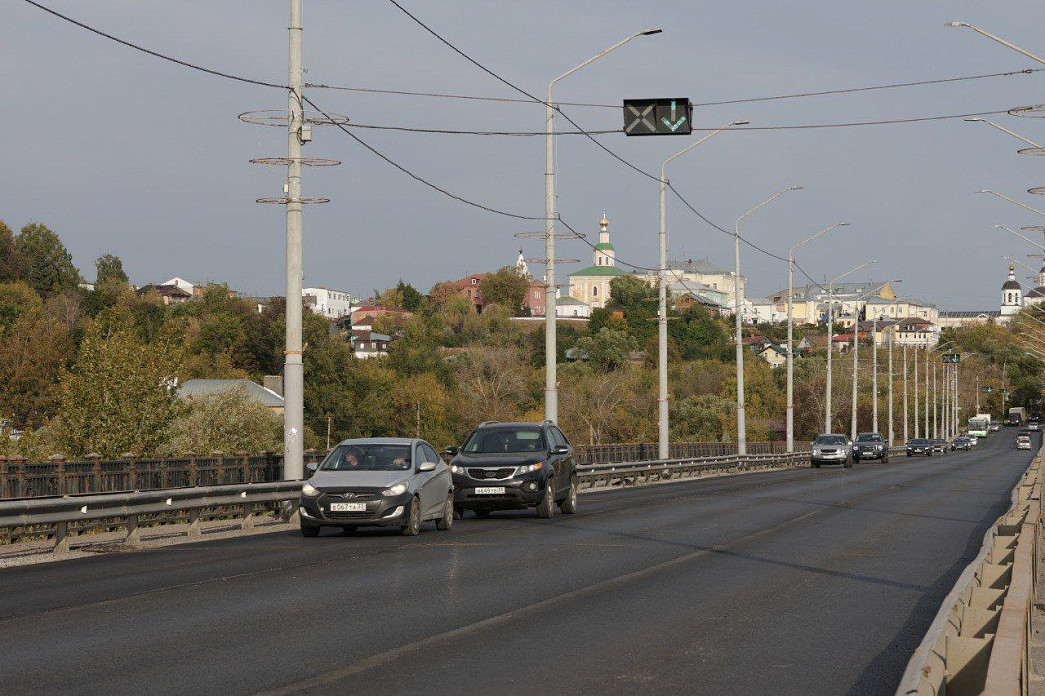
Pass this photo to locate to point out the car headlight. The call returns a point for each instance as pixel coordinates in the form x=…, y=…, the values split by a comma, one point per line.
x=397, y=489
x=457, y=469
x=529, y=468
x=309, y=490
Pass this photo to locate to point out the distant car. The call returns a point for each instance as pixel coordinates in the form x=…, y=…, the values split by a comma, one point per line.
x=384, y=482
x=939, y=445
x=1022, y=442
x=870, y=446
x=514, y=466
x=1033, y=425
x=919, y=445
x=961, y=443
x=995, y=426
x=832, y=449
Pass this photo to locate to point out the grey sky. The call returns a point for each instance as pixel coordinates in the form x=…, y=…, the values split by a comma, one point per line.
x=122, y=153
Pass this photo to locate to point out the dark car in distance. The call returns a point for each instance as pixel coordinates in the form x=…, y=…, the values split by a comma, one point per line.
x=939, y=445
x=961, y=443
x=870, y=446
x=919, y=445
x=514, y=466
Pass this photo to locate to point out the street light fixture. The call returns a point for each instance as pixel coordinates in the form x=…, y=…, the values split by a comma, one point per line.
x=741, y=416
x=551, y=390
x=1003, y=42
x=1024, y=238
x=1013, y=201
x=663, y=448
x=790, y=333
x=1036, y=146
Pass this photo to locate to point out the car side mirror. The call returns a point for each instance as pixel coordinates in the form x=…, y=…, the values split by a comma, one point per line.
x=560, y=449
x=452, y=451
x=426, y=466
x=312, y=466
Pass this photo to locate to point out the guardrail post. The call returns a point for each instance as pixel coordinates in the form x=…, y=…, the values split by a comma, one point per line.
x=134, y=535
x=194, y=524
x=248, y=516
x=61, y=538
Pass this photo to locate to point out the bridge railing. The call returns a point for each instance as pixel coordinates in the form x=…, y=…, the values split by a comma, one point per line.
x=63, y=517
x=59, y=476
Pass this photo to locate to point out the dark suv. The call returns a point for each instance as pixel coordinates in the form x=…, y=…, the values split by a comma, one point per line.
x=870, y=446
x=512, y=466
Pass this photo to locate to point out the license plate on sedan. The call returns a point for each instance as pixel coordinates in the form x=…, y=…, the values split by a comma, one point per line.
x=348, y=507
x=490, y=490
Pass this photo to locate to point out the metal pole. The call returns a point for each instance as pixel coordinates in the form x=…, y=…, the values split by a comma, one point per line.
x=927, y=392
x=791, y=352
x=741, y=417
x=856, y=370
x=891, y=379
x=977, y=394
x=830, y=341
x=874, y=374
x=663, y=446
x=906, y=415
x=293, y=369
x=551, y=393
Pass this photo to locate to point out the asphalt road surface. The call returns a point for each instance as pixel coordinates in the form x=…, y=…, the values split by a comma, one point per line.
x=794, y=582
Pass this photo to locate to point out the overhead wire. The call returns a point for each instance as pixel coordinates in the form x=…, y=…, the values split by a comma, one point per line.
x=748, y=100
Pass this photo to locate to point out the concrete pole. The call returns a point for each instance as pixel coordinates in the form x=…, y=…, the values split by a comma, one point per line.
x=663, y=444
x=551, y=391
x=927, y=392
x=892, y=436
x=936, y=432
x=737, y=307
x=917, y=430
x=830, y=335
x=977, y=393
x=856, y=372
x=906, y=415
x=874, y=374
x=293, y=369
x=790, y=417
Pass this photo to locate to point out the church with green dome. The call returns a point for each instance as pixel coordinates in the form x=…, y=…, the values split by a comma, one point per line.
x=591, y=285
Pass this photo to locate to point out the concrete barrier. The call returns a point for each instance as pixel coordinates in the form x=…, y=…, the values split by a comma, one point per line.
x=978, y=642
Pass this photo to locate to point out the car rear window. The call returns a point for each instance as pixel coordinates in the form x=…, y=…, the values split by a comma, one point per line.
x=505, y=440
x=830, y=440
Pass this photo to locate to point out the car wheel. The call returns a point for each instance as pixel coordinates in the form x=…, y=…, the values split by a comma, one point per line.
x=546, y=508
x=447, y=520
x=309, y=531
x=569, y=506
x=413, y=519
x=458, y=512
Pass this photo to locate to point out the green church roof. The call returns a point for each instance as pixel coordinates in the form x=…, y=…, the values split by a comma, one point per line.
x=599, y=271
x=604, y=246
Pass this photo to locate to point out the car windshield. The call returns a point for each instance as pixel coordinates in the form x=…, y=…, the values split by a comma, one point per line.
x=368, y=458
x=869, y=437
x=919, y=441
x=830, y=440
x=504, y=440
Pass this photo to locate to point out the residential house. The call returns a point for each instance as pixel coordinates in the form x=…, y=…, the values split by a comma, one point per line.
x=331, y=304
x=167, y=294
x=362, y=318
x=469, y=287
x=192, y=388
x=571, y=307
x=775, y=355
x=702, y=272
x=369, y=344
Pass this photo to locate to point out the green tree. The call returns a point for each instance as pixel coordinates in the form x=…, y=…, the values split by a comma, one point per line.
x=636, y=299
x=110, y=270
x=16, y=300
x=607, y=350
x=120, y=395
x=33, y=354
x=12, y=265
x=228, y=421
x=505, y=287
x=49, y=265
x=412, y=300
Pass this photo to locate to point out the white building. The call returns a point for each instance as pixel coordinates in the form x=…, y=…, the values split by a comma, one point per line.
x=1011, y=296
x=572, y=308
x=186, y=285
x=591, y=285
x=332, y=304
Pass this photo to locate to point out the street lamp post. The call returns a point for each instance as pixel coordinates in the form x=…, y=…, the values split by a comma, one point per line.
x=995, y=38
x=828, y=415
x=663, y=445
x=874, y=374
x=917, y=412
x=905, y=413
x=1021, y=236
x=551, y=390
x=856, y=360
x=928, y=354
x=791, y=337
x=737, y=300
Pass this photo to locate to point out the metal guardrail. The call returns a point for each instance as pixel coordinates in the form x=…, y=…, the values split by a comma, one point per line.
x=978, y=642
x=59, y=476
x=62, y=517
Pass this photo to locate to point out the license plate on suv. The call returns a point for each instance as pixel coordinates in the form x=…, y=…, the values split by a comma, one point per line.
x=490, y=490
x=348, y=507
